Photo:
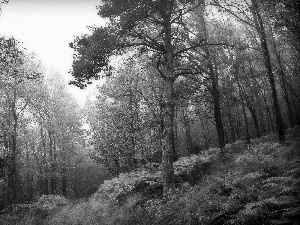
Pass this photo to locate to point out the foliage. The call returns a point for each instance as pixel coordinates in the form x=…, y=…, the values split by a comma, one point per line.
x=92, y=55
x=241, y=191
x=40, y=128
x=126, y=119
x=49, y=202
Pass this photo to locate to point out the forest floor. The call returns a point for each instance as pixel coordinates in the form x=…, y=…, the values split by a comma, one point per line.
x=257, y=184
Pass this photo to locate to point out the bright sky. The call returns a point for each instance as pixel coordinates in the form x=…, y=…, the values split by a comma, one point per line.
x=46, y=27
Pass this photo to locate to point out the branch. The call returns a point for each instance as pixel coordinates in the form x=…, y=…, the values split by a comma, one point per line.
x=234, y=14
x=157, y=67
x=188, y=48
x=144, y=44
x=22, y=109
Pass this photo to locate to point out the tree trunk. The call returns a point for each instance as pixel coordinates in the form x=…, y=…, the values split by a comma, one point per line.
x=231, y=123
x=52, y=162
x=284, y=86
x=246, y=124
x=29, y=178
x=175, y=134
x=169, y=78
x=236, y=73
x=238, y=125
x=254, y=117
x=13, y=179
x=217, y=110
x=267, y=61
x=263, y=120
x=168, y=139
x=213, y=74
x=44, y=178
x=64, y=182
x=186, y=122
x=282, y=76
x=269, y=115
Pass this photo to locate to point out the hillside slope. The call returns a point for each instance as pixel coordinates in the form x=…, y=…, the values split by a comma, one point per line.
x=258, y=184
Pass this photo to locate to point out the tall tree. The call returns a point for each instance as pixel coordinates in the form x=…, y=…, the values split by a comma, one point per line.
x=259, y=25
x=156, y=26
x=250, y=14
x=18, y=75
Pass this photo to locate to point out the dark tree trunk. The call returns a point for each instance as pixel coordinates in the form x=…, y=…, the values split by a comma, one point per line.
x=213, y=74
x=176, y=135
x=206, y=133
x=46, y=186
x=284, y=87
x=231, y=123
x=263, y=121
x=44, y=178
x=269, y=115
x=186, y=122
x=29, y=178
x=282, y=76
x=52, y=161
x=238, y=125
x=13, y=175
x=169, y=79
x=64, y=182
x=218, y=116
x=168, y=140
x=236, y=74
x=267, y=61
x=246, y=124
x=254, y=117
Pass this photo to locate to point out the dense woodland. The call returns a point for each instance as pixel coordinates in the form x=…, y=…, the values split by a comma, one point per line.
x=180, y=77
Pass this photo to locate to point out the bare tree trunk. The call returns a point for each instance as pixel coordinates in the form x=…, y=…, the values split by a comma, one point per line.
x=13, y=179
x=282, y=76
x=284, y=85
x=243, y=105
x=231, y=123
x=44, y=178
x=213, y=74
x=168, y=140
x=169, y=79
x=246, y=124
x=52, y=161
x=64, y=182
x=238, y=125
x=217, y=108
x=267, y=60
x=176, y=134
x=269, y=115
x=254, y=117
x=186, y=122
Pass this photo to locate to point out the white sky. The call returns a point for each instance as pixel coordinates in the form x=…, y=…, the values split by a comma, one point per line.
x=46, y=27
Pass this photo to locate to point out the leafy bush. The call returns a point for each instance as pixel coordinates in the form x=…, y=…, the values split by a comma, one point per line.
x=125, y=183
x=49, y=202
x=258, y=186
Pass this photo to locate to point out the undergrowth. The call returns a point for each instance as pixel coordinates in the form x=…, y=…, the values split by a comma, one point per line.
x=258, y=184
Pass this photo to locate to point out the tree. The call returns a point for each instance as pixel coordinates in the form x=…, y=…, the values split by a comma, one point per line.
x=267, y=60
x=127, y=119
x=155, y=26
x=249, y=14
x=18, y=75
